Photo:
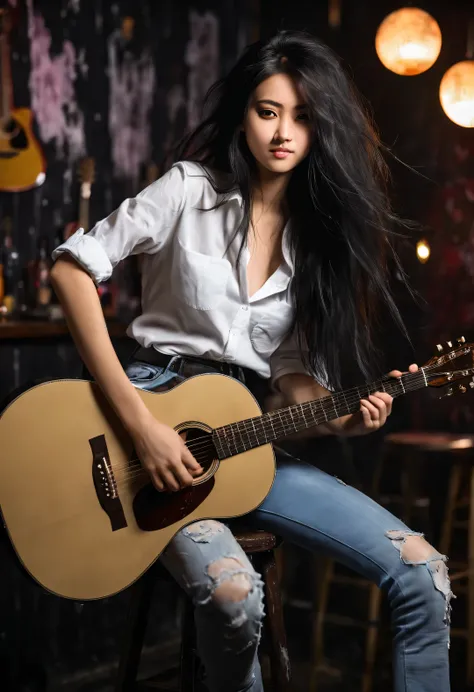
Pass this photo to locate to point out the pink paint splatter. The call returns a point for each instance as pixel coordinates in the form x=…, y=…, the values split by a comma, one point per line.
x=131, y=84
x=53, y=97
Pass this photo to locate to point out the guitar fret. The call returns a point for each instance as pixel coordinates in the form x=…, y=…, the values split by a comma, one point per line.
x=292, y=419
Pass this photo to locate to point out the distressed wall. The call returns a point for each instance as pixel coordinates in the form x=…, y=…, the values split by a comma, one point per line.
x=122, y=98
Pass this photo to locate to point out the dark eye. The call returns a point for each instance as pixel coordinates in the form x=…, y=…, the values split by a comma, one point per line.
x=266, y=112
x=304, y=116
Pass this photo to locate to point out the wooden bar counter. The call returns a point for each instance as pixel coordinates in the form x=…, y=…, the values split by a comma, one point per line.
x=39, y=329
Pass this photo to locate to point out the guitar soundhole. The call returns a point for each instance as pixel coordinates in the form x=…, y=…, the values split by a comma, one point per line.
x=154, y=510
x=17, y=136
x=200, y=444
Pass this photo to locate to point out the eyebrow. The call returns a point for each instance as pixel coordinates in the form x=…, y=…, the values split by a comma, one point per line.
x=300, y=107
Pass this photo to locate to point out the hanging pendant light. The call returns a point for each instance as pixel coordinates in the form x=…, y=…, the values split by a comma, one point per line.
x=456, y=91
x=423, y=251
x=408, y=41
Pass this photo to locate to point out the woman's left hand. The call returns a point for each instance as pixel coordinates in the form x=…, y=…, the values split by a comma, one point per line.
x=373, y=411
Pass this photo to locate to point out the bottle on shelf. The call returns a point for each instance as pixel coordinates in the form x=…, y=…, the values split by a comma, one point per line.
x=10, y=270
x=56, y=312
x=43, y=289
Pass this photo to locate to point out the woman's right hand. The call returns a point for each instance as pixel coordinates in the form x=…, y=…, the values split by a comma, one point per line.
x=164, y=454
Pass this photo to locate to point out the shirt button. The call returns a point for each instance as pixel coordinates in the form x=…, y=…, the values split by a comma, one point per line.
x=245, y=307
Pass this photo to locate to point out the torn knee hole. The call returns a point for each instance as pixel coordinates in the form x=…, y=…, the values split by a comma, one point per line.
x=232, y=579
x=413, y=547
x=203, y=531
x=415, y=550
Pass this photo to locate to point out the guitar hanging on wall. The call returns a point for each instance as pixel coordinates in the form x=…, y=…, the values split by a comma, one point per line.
x=22, y=164
x=86, y=177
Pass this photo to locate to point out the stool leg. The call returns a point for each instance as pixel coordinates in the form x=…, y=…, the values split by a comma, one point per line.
x=274, y=623
x=375, y=596
x=319, y=614
x=188, y=649
x=376, y=483
x=453, y=492
x=408, y=488
x=470, y=587
x=140, y=599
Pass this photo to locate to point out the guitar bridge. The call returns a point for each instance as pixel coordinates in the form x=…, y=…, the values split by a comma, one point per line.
x=105, y=483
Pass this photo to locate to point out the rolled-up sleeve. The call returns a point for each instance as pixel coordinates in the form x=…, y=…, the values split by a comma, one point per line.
x=141, y=224
x=287, y=360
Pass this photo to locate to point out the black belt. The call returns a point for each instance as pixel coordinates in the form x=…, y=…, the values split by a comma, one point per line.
x=162, y=360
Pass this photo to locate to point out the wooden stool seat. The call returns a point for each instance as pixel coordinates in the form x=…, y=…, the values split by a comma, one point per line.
x=431, y=441
x=256, y=541
x=260, y=546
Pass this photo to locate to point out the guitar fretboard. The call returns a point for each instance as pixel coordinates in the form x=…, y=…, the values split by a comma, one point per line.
x=239, y=437
x=5, y=77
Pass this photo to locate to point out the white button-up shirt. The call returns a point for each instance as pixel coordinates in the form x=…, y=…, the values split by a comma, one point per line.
x=195, y=298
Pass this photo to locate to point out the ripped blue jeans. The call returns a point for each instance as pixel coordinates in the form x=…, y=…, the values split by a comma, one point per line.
x=319, y=513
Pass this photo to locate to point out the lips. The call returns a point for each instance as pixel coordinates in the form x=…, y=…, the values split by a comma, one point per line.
x=281, y=153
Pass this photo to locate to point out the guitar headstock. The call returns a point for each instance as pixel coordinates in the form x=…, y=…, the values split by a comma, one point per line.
x=440, y=378
x=86, y=176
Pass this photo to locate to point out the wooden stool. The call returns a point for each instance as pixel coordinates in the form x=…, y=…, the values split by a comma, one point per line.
x=460, y=496
x=321, y=617
x=260, y=546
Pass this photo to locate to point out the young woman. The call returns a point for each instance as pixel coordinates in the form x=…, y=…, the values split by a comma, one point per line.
x=264, y=249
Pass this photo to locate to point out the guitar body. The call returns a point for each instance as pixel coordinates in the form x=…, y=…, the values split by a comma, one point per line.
x=22, y=165
x=72, y=538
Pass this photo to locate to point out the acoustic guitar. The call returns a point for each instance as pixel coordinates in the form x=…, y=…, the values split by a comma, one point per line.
x=22, y=164
x=81, y=513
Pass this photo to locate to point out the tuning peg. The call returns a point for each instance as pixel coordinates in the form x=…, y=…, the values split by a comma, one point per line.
x=462, y=389
x=439, y=348
x=461, y=340
x=450, y=344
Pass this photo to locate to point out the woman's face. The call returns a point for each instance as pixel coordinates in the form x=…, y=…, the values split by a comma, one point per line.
x=277, y=125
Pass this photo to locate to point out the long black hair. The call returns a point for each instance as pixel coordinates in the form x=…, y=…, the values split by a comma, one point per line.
x=341, y=220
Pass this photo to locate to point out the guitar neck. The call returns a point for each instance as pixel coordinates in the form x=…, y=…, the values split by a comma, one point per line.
x=84, y=213
x=239, y=437
x=6, y=94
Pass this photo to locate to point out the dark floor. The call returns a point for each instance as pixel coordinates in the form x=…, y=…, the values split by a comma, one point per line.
x=342, y=672
x=344, y=647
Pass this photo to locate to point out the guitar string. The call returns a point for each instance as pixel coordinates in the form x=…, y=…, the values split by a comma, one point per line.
x=277, y=423
x=208, y=445
x=305, y=406
x=244, y=428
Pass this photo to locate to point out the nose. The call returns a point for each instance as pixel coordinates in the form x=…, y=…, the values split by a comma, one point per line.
x=283, y=132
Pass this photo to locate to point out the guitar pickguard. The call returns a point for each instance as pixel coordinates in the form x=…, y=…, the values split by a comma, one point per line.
x=154, y=510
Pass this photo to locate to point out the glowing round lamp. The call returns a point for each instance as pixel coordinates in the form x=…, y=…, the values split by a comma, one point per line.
x=423, y=251
x=456, y=93
x=408, y=41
